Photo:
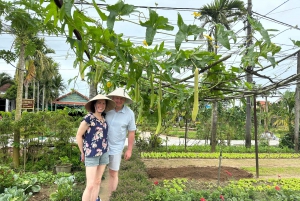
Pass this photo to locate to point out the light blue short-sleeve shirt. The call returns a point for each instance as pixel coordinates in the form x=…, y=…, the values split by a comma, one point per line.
x=119, y=124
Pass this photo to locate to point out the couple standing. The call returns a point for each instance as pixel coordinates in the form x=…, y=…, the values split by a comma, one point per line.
x=101, y=137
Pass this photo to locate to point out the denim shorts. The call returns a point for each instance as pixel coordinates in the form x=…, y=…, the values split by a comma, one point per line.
x=115, y=161
x=97, y=160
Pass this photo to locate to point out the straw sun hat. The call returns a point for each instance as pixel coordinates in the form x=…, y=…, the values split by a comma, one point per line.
x=110, y=104
x=122, y=93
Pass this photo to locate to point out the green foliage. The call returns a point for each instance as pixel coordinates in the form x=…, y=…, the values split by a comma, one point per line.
x=215, y=155
x=14, y=193
x=225, y=149
x=30, y=185
x=244, y=189
x=66, y=190
x=288, y=141
x=63, y=160
x=154, y=23
x=7, y=178
x=43, y=177
x=118, y=9
x=185, y=31
x=133, y=180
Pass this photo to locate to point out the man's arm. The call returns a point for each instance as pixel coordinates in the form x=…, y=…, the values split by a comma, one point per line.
x=131, y=139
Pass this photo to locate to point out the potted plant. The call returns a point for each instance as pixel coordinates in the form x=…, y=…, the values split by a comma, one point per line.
x=63, y=165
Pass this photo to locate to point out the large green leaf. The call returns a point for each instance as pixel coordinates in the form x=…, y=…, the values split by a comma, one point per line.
x=258, y=27
x=100, y=13
x=153, y=23
x=185, y=31
x=68, y=4
x=180, y=36
x=296, y=42
x=117, y=9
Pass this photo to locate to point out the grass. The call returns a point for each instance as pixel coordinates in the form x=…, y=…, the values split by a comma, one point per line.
x=271, y=171
x=181, y=134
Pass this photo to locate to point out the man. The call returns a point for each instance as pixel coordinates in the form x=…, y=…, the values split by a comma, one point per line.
x=121, y=121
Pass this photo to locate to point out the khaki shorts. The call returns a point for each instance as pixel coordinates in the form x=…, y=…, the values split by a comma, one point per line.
x=115, y=161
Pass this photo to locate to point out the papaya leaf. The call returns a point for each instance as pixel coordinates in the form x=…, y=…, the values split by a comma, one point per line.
x=180, y=23
x=222, y=36
x=180, y=36
x=51, y=11
x=100, y=13
x=272, y=60
x=79, y=16
x=296, y=42
x=120, y=55
x=258, y=27
x=68, y=4
x=248, y=85
x=117, y=9
x=161, y=46
x=153, y=23
x=235, y=69
x=111, y=21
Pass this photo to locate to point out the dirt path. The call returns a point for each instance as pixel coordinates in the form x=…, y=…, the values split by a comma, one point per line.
x=104, y=187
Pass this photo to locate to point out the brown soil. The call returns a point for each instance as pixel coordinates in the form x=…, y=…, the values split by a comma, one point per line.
x=199, y=173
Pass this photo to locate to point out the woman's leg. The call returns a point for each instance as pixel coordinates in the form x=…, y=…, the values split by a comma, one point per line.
x=98, y=177
x=90, y=173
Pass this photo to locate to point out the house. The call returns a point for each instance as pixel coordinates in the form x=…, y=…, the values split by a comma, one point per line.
x=5, y=104
x=74, y=99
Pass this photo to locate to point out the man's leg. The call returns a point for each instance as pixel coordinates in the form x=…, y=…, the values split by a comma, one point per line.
x=113, y=181
x=114, y=166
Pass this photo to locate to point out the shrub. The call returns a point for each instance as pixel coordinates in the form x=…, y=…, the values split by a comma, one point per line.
x=7, y=178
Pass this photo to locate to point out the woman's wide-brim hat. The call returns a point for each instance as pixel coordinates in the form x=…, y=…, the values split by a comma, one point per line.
x=121, y=93
x=110, y=104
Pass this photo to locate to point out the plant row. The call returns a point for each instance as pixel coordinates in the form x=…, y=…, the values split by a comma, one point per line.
x=170, y=155
x=224, y=149
x=135, y=185
x=22, y=186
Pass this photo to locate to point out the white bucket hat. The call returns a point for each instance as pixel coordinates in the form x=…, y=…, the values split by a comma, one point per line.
x=122, y=93
x=110, y=104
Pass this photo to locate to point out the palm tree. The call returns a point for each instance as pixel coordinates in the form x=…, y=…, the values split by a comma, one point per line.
x=52, y=81
x=55, y=87
x=223, y=12
x=35, y=64
x=285, y=112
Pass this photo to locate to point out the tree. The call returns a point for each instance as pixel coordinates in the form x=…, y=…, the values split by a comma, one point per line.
x=35, y=64
x=5, y=79
x=285, y=112
x=223, y=12
x=24, y=19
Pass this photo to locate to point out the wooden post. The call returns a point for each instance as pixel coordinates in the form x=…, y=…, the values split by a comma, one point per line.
x=297, y=107
x=249, y=80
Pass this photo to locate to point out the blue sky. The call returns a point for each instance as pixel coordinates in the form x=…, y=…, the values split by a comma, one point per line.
x=282, y=11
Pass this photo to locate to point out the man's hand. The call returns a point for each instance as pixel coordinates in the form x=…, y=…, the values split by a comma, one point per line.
x=127, y=154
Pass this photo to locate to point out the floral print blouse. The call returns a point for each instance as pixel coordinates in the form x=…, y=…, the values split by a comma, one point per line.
x=95, y=137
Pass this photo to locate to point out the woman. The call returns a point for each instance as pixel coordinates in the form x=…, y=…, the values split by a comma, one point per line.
x=91, y=138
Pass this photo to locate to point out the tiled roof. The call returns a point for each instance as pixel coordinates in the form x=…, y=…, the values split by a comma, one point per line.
x=68, y=94
x=69, y=99
x=4, y=87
